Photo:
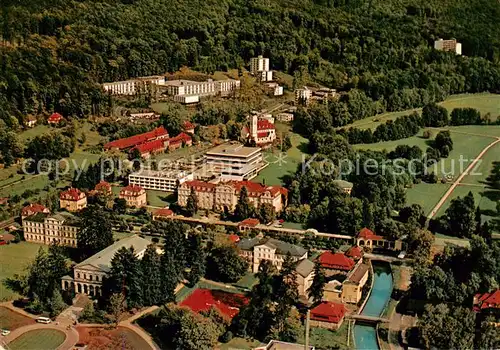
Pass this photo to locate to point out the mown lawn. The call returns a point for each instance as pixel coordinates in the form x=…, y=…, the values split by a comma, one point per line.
x=325, y=339
x=46, y=339
x=283, y=164
x=14, y=258
x=484, y=102
x=11, y=320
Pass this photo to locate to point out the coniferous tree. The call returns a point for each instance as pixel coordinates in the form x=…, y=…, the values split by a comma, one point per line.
x=192, y=203
x=196, y=258
x=316, y=290
x=152, y=279
x=96, y=231
x=244, y=208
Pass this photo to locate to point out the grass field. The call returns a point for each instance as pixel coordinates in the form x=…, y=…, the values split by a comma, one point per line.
x=240, y=344
x=286, y=164
x=46, y=339
x=247, y=281
x=12, y=320
x=484, y=102
x=13, y=259
x=325, y=339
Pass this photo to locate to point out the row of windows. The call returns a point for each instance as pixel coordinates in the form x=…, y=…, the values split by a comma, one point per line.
x=89, y=277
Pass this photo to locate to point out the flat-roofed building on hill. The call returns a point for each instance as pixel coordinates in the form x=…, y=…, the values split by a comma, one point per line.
x=43, y=228
x=234, y=161
x=89, y=274
x=189, y=91
x=166, y=180
x=132, y=86
x=448, y=45
x=260, y=68
x=256, y=249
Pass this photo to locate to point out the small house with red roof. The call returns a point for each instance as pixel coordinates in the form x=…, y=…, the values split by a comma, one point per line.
x=32, y=209
x=228, y=304
x=355, y=253
x=486, y=301
x=180, y=140
x=248, y=224
x=55, y=119
x=103, y=188
x=234, y=238
x=188, y=127
x=72, y=200
x=367, y=238
x=135, y=196
x=328, y=315
x=335, y=263
x=162, y=214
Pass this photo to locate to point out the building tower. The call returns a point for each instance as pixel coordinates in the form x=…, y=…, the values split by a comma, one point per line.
x=253, y=126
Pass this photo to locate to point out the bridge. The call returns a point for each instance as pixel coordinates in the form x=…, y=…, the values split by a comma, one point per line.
x=369, y=319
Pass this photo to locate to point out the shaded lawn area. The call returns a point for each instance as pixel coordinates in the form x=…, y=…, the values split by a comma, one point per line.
x=46, y=339
x=240, y=344
x=13, y=260
x=158, y=198
x=484, y=102
x=36, y=131
x=247, y=281
x=323, y=338
x=426, y=195
x=486, y=203
x=283, y=164
x=12, y=320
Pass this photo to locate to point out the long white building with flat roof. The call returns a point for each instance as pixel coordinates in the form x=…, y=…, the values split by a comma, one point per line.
x=132, y=86
x=234, y=161
x=166, y=180
x=189, y=91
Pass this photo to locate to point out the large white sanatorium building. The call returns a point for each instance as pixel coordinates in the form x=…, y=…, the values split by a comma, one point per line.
x=259, y=67
x=44, y=228
x=132, y=86
x=167, y=180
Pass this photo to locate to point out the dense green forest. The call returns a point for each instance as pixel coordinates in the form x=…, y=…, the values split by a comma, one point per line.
x=53, y=54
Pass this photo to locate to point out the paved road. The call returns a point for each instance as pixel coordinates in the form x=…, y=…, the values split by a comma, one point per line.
x=460, y=178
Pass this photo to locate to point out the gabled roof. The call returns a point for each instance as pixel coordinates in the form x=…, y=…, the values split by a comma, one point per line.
x=228, y=304
x=264, y=124
x=102, y=259
x=188, y=125
x=368, y=234
x=234, y=238
x=55, y=118
x=135, y=140
x=357, y=275
x=337, y=261
x=281, y=247
x=150, y=146
x=72, y=194
x=328, y=312
x=34, y=208
x=182, y=137
x=131, y=190
x=304, y=267
x=488, y=300
x=354, y=252
x=103, y=186
x=163, y=212
x=250, y=222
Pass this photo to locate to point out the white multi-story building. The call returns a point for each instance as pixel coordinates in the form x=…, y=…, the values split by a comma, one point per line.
x=303, y=95
x=188, y=91
x=88, y=275
x=44, y=228
x=132, y=86
x=234, y=161
x=255, y=250
x=448, y=45
x=259, y=67
x=166, y=181
x=274, y=89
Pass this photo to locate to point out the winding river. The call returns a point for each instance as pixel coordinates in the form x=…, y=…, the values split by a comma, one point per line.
x=366, y=336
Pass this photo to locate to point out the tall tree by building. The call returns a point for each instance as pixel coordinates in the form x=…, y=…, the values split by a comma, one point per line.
x=244, y=208
x=96, y=232
x=151, y=276
x=316, y=290
x=192, y=203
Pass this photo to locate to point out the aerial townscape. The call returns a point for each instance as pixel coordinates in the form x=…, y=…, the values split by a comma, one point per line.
x=269, y=175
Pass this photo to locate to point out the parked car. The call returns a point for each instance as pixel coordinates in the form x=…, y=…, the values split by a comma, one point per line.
x=43, y=320
x=5, y=332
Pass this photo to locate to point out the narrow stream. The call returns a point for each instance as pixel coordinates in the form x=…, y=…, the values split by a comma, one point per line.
x=366, y=336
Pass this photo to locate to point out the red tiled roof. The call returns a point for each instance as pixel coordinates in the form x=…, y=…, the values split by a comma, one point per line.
x=133, y=190
x=182, y=137
x=488, y=300
x=262, y=134
x=328, y=312
x=234, y=238
x=200, y=185
x=254, y=189
x=150, y=146
x=354, y=252
x=72, y=194
x=55, y=118
x=249, y=222
x=33, y=209
x=228, y=304
x=135, y=140
x=103, y=186
x=368, y=234
x=163, y=212
x=188, y=125
x=264, y=125
x=337, y=261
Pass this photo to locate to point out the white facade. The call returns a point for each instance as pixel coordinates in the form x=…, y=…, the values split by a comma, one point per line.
x=184, y=99
x=132, y=86
x=166, y=181
x=448, y=45
x=234, y=161
x=274, y=89
x=303, y=94
x=284, y=117
x=188, y=91
x=259, y=67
